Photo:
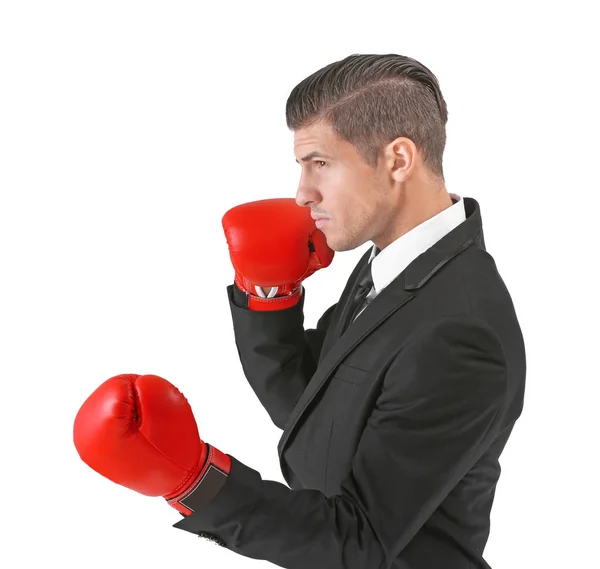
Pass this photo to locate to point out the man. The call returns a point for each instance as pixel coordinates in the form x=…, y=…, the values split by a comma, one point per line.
x=396, y=407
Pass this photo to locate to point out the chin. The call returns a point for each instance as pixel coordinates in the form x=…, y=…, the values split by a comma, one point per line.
x=343, y=242
x=332, y=244
x=340, y=247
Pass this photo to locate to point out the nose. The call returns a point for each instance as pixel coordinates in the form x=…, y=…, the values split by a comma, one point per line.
x=306, y=194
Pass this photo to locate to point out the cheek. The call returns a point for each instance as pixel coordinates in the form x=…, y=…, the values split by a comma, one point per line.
x=354, y=217
x=349, y=200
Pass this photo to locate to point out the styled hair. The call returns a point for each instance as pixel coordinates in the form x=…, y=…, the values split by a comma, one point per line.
x=370, y=100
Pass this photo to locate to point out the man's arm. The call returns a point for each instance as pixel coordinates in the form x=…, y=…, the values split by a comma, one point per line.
x=439, y=410
x=274, y=243
x=277, y=354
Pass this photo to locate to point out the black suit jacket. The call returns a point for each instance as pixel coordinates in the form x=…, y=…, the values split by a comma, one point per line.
x=392, y=430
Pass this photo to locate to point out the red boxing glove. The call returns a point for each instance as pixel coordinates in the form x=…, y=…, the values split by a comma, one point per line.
x=139, y=431
x=274, y=243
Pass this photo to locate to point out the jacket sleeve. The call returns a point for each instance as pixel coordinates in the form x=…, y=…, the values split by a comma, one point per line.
x=277, y=355
x=438, y=411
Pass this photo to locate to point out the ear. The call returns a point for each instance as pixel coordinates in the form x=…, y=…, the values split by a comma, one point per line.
x=399, y=157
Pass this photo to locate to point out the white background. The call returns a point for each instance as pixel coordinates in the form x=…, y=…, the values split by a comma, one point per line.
x=128, y=128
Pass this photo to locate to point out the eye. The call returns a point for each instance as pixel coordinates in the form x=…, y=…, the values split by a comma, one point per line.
x=321, y=162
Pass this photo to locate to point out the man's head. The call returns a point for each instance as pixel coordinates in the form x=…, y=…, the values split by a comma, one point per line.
x=369, y=133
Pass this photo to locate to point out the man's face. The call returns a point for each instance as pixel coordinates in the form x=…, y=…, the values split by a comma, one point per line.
x=336, y=183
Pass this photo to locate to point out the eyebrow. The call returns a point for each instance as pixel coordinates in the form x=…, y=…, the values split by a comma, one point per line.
x=312, y=155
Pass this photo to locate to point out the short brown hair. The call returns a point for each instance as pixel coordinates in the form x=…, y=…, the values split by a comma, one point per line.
x=369, y=100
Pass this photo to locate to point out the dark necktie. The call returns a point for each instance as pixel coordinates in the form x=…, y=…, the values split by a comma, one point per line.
x=364, y=285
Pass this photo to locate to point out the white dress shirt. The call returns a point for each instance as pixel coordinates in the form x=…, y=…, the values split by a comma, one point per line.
x=392, y=260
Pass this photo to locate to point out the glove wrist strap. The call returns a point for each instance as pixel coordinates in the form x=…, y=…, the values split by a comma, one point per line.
x=205, y=486
x=275, y=303
x=287, y=295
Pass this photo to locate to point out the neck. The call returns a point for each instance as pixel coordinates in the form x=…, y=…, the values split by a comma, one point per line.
x=411, y=209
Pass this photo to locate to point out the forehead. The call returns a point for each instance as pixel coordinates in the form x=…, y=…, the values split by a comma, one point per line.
x=319, y=137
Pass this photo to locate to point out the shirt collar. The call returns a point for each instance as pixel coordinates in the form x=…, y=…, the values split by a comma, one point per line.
x=386, y=265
